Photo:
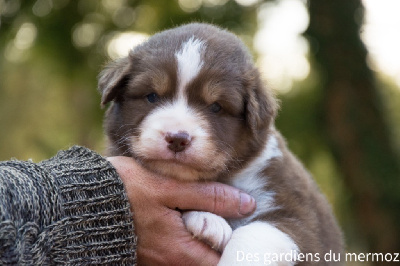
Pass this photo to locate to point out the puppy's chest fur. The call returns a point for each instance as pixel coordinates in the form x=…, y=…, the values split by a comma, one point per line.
x=189, y=104
x=253, y=179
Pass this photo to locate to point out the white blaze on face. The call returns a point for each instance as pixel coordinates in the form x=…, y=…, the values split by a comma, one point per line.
x=189, y=62
x=200, y=159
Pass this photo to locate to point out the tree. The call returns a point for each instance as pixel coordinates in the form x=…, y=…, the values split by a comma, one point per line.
x=355, y=123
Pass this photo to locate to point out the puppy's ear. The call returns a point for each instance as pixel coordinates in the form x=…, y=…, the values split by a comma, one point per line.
x=261, y=106
x=113, y=78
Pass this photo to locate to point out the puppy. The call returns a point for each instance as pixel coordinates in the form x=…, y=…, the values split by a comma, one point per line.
x=189, y=104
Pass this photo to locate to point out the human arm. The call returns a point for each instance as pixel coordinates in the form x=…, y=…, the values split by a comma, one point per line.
x=71, y=208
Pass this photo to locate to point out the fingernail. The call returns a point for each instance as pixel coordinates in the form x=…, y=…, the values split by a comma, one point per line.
x=247, y=204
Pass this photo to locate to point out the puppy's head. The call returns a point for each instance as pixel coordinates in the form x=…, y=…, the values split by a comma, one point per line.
x=188, y=103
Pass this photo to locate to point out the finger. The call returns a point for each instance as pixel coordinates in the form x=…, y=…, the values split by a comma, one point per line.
x=195, y=252
x=169, y=243
x=214, y=197
x=201, y=252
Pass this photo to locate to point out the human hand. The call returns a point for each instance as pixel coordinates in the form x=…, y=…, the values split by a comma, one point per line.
x=156, y=201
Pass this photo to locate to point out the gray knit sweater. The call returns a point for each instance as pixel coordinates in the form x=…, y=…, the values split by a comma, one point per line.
x=71, y=209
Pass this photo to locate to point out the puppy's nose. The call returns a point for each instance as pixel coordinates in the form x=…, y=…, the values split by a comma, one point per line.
x=177, y=142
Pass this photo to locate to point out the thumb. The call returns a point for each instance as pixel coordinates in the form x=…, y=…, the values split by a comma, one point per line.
x=221, y=199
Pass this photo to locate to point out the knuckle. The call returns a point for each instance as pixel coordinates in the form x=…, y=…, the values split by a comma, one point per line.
x=220, y=198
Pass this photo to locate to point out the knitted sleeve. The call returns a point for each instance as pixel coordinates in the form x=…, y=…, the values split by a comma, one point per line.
x=71, y=209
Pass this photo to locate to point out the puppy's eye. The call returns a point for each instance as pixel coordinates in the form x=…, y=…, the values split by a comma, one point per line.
x=152, y=97
x=215, y=107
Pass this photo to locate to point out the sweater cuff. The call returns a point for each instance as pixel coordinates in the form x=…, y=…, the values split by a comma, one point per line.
x=98, y=223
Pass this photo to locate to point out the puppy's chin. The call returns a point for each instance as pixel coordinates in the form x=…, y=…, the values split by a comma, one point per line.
x=179, y=171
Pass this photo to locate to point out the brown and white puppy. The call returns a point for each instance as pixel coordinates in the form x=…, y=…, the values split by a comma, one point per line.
x=189, y=104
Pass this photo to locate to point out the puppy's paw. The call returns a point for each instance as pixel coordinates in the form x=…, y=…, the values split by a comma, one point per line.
x=208, y=227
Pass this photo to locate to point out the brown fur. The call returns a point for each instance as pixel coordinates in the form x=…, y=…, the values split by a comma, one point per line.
x=307, y=216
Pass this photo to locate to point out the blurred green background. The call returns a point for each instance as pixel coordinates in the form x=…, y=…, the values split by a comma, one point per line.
x=334, y=65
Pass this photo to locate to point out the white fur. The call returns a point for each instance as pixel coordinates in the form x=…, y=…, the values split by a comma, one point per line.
x=209, y=227
x=257, y=244
x=199, y=160
x=250, y=181
x=272, y=150
x=189, y=62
